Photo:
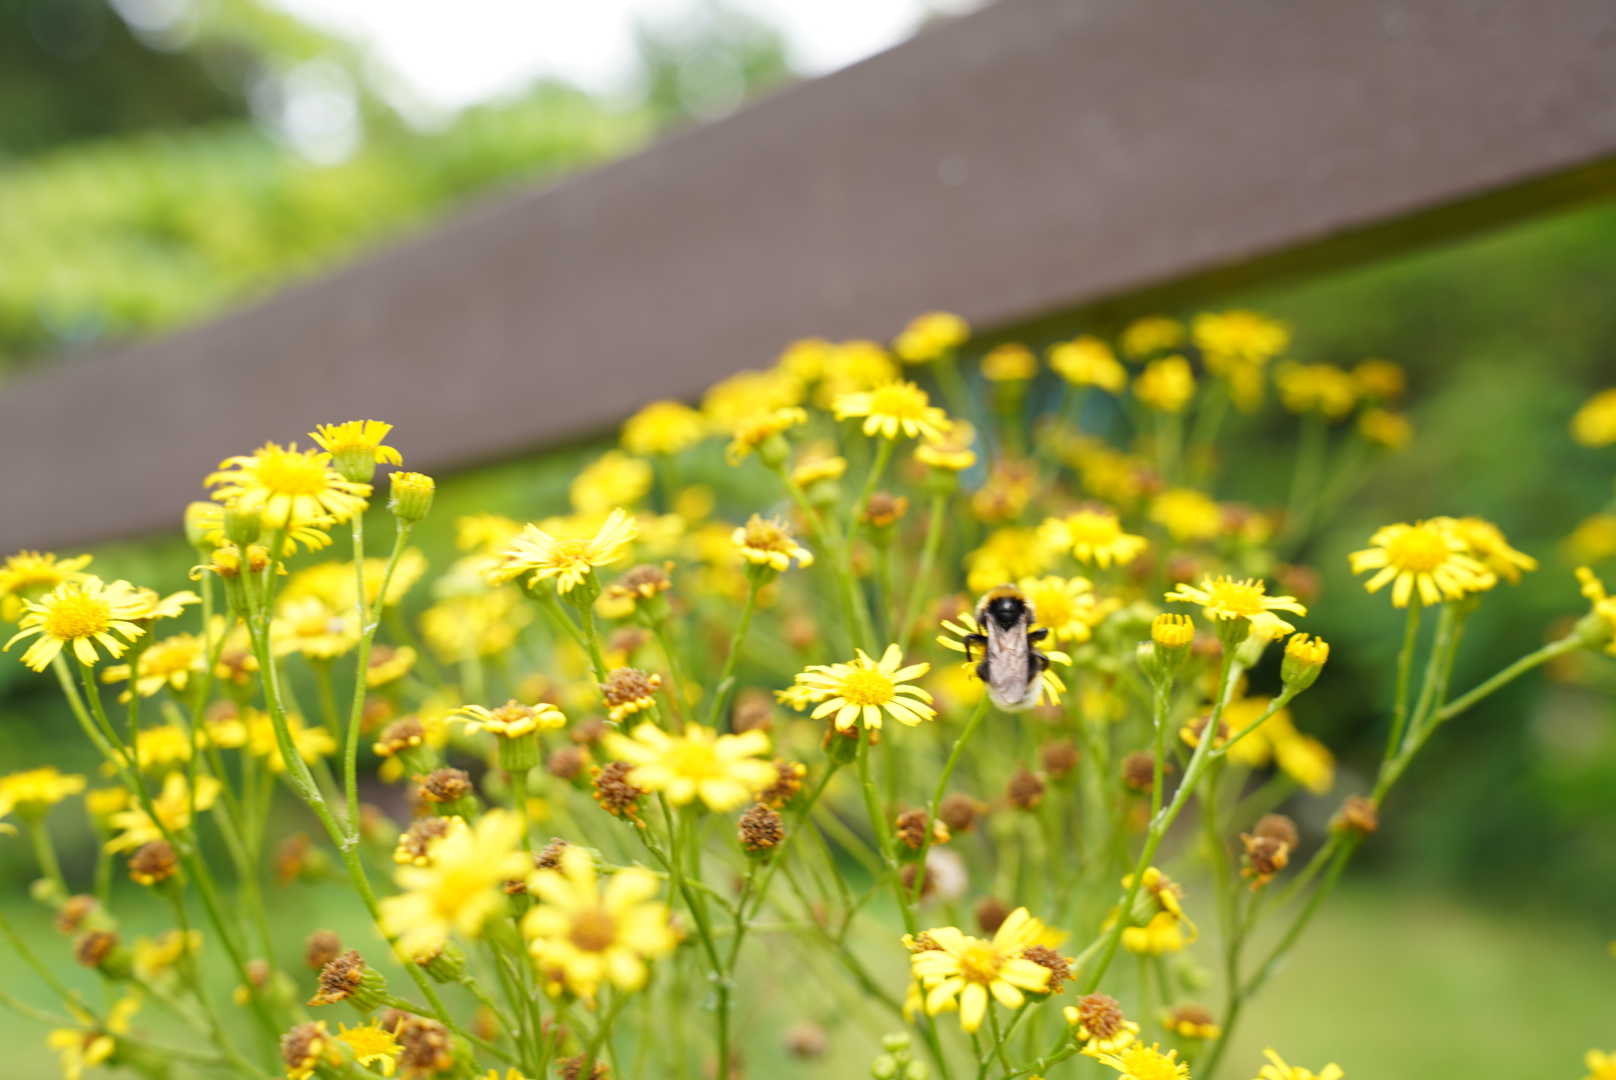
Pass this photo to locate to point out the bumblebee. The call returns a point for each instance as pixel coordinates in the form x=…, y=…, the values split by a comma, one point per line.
x=1011, y=665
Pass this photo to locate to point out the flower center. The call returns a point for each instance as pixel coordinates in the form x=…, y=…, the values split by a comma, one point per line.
x=695, y=759
x=980, y=963
x=1093, y=529
x=77, y=615
x=292, y=474
x=1238, y=597
x=1143, y=1063
x=766, y=536
x=570, y=550
x=895, y=400
x=593, y=931
x=1419, y=550
x=866, y=686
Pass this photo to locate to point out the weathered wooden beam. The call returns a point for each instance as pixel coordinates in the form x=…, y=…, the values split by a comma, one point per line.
x=1038, y=157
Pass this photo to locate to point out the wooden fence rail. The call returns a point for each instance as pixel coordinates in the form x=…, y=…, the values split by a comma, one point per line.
x=1032, y=160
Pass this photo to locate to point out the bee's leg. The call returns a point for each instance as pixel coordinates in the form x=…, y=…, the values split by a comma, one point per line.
x=1035, y=636
x=1037, y=664
x=979, y=640
x=982, y=671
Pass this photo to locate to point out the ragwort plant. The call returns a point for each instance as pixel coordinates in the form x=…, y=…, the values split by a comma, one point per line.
x=654, y=761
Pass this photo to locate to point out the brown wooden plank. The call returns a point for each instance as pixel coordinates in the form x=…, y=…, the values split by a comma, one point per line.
x=1038, y=157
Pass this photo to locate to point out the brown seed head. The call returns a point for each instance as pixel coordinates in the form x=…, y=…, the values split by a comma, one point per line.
x=590, y=731
x=629, y=690
x=927, y=886
x=1139, y=771
x=789, y=781
x=572, y=1068
x=1100, y=1016
x=424, y=1047
x=399, y=736
x=549, y=857
x=627, y=640
x=415, y=845
x=77, y=908
x=1277, y=827
x=93, y=947
x=643, y=581
x=377, y=711
x=959, y=812
x=291, y=858
x=153, y=862
x=1058, y=758
x=885, y=510
x=339, y=978
x=806, y=1040
x=754, y=710
x=444, y=785
x=760, y=829
x=1060, y=969
x=1357, y=815
x=566, y=762
x=1024, y=790
x=303, y=1046
x=614, y=793
x=322, y=947
x=1187, y=1019
x=1265, y=857
x=911, y=828
x=990, y=914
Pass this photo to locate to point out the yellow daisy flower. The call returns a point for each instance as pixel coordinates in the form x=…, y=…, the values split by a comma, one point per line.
x=754, y=430
x=1321, y=388
x=929, y=336
x=372, y=1044
x=1487, y=544
x=173, y=806
x=1601, y=1066
x=1595, y=423
x=952, y=452
x=162, y=748
x=1140, y=1062
x=961, y=972
x=613, y=479
x=482, y=624
x=1241, y=336
x=357, y=435
x=749, y=393
x=866, y=688
x=169, y=662
x=1151, y=334
x=663, y=427
x=1380, y=380
x=305, y=624
x=1276, y=1069
x=1166, y=385
x=1088, y=361
x=85, y=1048
x=586, y=935
x=512, y=719
x=1010, y=362
x=1093, y=535
x=463, y=887
x=28, y=575
x=291, y=488
x=806, y=358
x=568, y=559
x=1067, y=606
x=1189, y=515
x=84, y=614
x=892, y=408
x=723, y=770
x=33, y=792
x=1007, y=555
x=1225, y=598
x=1424, y=556
x=1604, y=605
x=768, y=542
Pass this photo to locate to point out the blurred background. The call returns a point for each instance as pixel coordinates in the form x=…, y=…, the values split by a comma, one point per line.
x=162, y=161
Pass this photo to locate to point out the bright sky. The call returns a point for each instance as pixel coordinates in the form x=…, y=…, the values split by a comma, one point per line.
x=451, y=55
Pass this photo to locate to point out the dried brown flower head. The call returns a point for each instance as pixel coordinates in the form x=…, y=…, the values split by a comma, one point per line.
x=760, y=829
x=415, y=845
x=785, y=788
x=1139, y=771
x=1101, y=1016
x=402, y=734
x=549, y=856
x=444, y=785
x=628, y=691
x=322, y=947
x=303, y=1046
x=572, y=1068
x=990, y=914
x=806, y=1040
x=1265, y=857
x=339, y=978
x=1060, y=968
x=614, y=793
x=93, y=947
x=885, y=510
x=911, y=828
x=1025, y=789
x=754, y=710
x=959, y=812
x=74, y=912
x=424, y=1047
x=1058, y=758
x=153, y=862
x=1356, y=815
x=566, y=762
x=1277, y=827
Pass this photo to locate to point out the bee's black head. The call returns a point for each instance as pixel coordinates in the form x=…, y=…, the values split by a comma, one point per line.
x=1007, y=611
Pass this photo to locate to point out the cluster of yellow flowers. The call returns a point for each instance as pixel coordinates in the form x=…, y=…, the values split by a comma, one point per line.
x=687, y=685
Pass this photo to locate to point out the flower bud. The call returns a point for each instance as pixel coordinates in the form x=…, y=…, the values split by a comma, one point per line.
x=1304, y=659
x=1232, y=631
x=447, y=965
x=196, y=532
x=774, y=450
x=243, y=525
x=410, y=496
x=1172, y=637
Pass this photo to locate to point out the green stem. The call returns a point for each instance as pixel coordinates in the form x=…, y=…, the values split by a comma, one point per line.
x=954, y=756
x=369, y=619
x=928, y=559
x=45, y=852
x=726, y=677
x=883, y=457
x=1405, y=663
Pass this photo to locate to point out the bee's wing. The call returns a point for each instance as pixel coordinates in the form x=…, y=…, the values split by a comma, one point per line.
x=1010, y=670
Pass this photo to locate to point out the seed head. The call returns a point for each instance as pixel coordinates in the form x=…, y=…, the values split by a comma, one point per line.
x=760, y=829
